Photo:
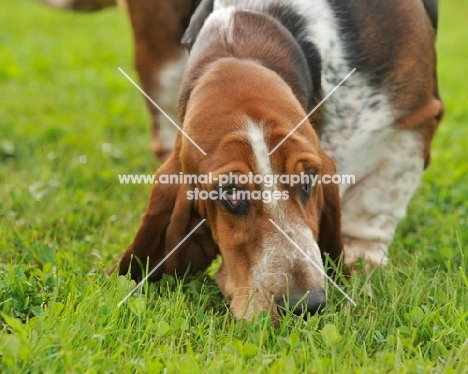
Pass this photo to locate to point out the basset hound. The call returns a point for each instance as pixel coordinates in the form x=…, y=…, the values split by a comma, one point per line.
x=255, y=70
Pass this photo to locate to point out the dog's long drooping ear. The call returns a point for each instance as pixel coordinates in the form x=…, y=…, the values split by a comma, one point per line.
x=330, y=220
x=169, y=217
x=204, y=9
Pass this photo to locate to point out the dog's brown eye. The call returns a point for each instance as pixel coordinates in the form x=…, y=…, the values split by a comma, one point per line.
x=306, y=188
x=234, y=200
x=234, y=197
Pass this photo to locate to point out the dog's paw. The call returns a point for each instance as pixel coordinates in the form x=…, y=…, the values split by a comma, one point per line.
x=374, y=254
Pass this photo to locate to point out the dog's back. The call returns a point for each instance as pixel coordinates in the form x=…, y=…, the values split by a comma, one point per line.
x=378, y=126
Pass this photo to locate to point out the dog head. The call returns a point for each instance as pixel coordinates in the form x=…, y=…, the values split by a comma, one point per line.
x=271, y=235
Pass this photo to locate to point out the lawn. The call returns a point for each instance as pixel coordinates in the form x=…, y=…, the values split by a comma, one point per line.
x=70, y=123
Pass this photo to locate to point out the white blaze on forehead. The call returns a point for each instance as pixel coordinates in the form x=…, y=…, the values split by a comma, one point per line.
x=260, y=148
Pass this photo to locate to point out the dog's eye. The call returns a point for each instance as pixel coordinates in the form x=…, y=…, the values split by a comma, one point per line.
x=306, y=188
x=232, y=199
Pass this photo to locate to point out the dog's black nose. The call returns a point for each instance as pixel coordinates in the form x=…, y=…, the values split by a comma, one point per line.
x=314, y=302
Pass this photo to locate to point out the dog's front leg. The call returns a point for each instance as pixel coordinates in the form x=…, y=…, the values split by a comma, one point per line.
x=158, y=26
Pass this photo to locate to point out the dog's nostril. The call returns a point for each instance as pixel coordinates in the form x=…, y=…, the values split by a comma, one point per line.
x=314, y=302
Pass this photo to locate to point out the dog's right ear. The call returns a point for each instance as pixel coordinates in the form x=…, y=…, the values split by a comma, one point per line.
x=203, y=10
x=330, y=221
x=169, y=218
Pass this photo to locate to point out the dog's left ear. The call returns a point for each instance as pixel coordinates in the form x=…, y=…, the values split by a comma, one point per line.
x=204, y=9
x=170, y=216
x=330, y=220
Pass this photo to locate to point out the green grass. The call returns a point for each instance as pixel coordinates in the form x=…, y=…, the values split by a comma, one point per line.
x=64, y=220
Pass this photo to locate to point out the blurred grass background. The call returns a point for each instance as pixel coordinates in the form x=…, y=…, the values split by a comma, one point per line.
x=70, y=123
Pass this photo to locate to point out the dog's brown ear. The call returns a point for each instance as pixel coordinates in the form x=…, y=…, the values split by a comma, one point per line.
x=168, y=219
x=330, y=220
x=204, y=9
